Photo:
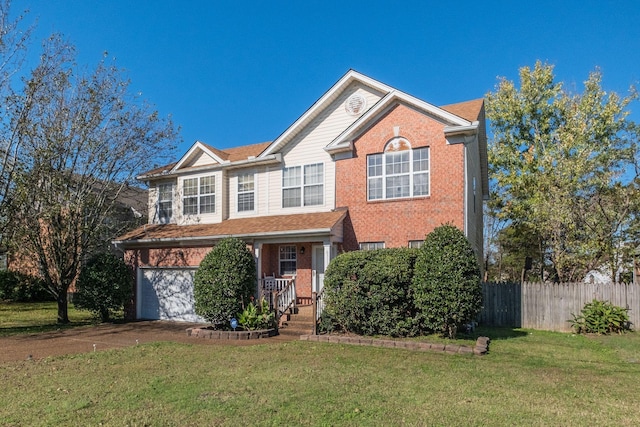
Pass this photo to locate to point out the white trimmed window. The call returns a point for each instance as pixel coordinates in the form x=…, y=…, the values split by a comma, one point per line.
x=303, y=185
x=369, y=246
x=288, y=261
x=199, y=195
x=416, y=243
x=246, y=192
x=165, y=203
x=399, y=172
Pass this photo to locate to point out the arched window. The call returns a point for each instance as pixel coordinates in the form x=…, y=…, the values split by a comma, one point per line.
x=399, y=172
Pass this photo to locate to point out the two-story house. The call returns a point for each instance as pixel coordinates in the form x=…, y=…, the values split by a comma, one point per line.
x=366, y=166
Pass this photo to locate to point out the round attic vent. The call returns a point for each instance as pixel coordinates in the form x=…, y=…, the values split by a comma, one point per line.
x=355, y=104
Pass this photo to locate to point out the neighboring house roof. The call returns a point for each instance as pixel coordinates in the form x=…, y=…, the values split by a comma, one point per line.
x=135, y=198
x=263, y=226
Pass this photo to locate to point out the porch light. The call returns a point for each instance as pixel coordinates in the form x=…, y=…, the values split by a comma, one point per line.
x=302, y=250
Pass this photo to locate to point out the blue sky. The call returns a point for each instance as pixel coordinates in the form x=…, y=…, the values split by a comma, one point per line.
x=240, y=72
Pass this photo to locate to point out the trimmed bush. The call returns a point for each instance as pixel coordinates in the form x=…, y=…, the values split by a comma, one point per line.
x=601, y=317
x=224, y=282
x=367, y=292
x=104, y=286
x=447, y=292
x=15, y=286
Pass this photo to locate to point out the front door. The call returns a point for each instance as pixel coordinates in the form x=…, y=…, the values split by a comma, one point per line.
x=317, y=266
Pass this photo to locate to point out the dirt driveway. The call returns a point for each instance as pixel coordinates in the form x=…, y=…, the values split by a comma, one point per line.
x=103, y=337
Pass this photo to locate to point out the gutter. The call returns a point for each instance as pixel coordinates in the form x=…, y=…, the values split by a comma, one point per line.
x=304, y=232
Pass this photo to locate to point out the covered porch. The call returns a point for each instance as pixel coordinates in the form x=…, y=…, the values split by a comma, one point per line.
x=291, y=253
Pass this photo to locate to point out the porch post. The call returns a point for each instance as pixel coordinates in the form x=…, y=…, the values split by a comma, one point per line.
x=327, y=259
x=257, y=249
x=314, y=305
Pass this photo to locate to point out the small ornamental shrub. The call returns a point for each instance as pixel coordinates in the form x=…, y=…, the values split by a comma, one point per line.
x=446, y=286
x=601, y=317
x=15, y=286
x=367, y=292
x=224, y=282
x=104, y=286
x=257, y=316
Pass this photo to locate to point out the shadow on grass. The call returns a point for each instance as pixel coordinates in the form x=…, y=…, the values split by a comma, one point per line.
x=38, y=329
x=495, y=333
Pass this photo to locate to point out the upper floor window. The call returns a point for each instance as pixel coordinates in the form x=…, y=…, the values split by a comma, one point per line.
x=303, y=185
x=399, y=172
x=165, y=202
x=199, y=195
x=246, y=192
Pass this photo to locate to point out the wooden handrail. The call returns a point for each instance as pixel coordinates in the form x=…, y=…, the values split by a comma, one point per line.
x=285, y=298
x=318, y=307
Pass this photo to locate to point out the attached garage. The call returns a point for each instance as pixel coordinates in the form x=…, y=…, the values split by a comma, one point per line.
x=166, y=294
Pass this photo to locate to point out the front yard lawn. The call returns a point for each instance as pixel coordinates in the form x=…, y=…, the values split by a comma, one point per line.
x=528, y=378
x=34, y=317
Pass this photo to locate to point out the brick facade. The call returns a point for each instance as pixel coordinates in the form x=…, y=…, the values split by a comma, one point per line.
x=398, y=221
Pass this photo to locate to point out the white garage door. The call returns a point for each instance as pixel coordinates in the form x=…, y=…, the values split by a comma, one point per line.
x=167, y=294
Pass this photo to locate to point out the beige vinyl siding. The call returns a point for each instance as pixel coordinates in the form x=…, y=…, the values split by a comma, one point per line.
x=200, y=159
x=153, y=200
x=207, y=218
x=308, y=148
x=233, y=192
x=473, y=202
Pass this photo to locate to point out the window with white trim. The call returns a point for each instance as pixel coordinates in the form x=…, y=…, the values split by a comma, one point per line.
x=246, y=192
x=370, y=246
x=303, y=185
x=288, y=261
x=399, y=172
x=199, y=195
x=164, y=206
x=416, y=243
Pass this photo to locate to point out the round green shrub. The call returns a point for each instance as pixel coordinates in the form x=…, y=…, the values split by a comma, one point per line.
x=224, y=282
x=601, y=317
x=447, y=291
x=104, y=286
x=367, y=292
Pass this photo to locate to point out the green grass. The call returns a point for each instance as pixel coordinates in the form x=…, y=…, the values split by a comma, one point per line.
x=28, y=318
x=529, y=378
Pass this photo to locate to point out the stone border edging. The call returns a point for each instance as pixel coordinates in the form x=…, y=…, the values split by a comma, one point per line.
x=231, y=335
x=481, y=348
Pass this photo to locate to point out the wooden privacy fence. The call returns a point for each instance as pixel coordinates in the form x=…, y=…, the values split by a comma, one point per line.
x=548, y=306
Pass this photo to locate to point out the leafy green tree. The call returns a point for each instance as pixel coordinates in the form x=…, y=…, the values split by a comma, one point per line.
x=224, y=282
x=104, y=286
x=564, y=167
x=446, y=286
x=84, y=137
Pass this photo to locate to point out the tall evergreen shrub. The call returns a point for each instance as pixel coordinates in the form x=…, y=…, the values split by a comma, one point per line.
x=367, y=292
x=224, y=282
x=446, y=285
